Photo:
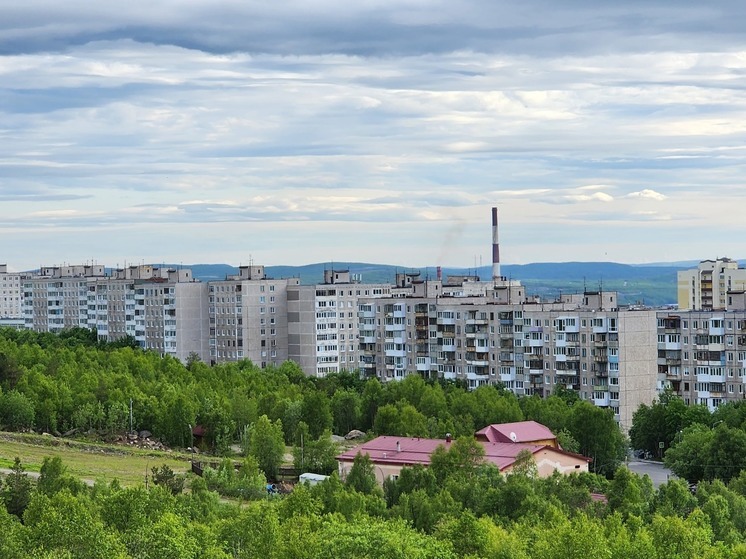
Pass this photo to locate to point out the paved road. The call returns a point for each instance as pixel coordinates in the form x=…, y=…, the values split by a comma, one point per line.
x=35, y=475
x=658, y=473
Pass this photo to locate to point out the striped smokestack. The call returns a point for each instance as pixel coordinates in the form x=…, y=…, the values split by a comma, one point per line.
x=495, y=247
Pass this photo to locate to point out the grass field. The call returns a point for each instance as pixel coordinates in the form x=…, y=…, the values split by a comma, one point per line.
x=88, y=461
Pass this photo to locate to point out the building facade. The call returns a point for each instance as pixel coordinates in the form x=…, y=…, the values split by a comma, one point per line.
x=248, y=315
x=324, y=324
x=702, y=355
x=707, y=287
x=457, y=328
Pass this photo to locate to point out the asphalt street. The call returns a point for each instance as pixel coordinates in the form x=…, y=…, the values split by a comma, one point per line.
x=658, y=473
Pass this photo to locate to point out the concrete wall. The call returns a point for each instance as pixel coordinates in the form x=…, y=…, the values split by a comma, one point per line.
x=638, y=370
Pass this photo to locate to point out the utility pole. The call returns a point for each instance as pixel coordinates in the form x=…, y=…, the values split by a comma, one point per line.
x=130, y=415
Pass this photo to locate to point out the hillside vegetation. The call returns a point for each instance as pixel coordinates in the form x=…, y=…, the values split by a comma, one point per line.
x=457, y=508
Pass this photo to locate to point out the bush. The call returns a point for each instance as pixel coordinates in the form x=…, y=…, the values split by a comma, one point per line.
x=16, y=411
x=247, y=483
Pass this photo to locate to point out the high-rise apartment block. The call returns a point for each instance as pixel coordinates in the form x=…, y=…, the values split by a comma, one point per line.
x=11, y=299
x=712, y=286
x=458, y=328
x=248, y=317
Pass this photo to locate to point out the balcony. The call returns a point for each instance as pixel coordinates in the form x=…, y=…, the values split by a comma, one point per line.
x=423, y=364
x=602, y=402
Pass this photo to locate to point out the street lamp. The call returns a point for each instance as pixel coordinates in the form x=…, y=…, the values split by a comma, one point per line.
x=191, y=440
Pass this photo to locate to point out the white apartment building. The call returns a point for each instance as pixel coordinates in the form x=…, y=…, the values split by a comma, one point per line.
x=323, y=322
x=56, y=298
x=707, y=287
x=11, y=294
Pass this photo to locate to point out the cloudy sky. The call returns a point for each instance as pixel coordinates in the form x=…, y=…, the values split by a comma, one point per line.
x=383, y=131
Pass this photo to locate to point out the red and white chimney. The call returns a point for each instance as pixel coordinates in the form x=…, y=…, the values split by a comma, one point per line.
x=495, y=247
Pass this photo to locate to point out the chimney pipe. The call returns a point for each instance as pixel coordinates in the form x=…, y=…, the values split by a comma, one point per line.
x=398, y=446
x=439, y=273
x=495, y=247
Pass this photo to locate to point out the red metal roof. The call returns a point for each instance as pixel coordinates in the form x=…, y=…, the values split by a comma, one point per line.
x=384, y=449
x=518, y=432
x=410, y=451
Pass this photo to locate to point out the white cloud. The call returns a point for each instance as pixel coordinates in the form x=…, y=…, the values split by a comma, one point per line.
x=303, y=119
x=597, y=196
x=647, y=193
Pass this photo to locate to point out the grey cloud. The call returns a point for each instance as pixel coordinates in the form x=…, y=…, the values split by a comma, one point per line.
x=375, y=29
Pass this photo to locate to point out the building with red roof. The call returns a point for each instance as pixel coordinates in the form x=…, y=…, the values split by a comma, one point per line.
x=518, y=432
x=390, y=454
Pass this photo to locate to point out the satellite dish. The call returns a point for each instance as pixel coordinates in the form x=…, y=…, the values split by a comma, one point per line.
x=513, y=436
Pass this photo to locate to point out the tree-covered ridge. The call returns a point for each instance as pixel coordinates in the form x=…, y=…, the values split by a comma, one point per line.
x=54, y=384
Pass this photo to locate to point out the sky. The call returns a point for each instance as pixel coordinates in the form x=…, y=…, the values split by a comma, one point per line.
x=238, y=131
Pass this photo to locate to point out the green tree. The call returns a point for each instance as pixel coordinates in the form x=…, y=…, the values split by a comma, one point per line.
x=677, y=538
x=346, y=408
x=525, y=464
x=316, y=413
x=165, y=477
x=11, y=539
x=567, y=441
x=378, y=539
x=167, y=537
x=727, y=453
x=175, y=414
x=630, y=494
x=16, y=411
x=372, y=398
x=413, y=423
x=461, y=456
x=53, y=478
x=674, y=499
x=16, y=492
x=661, y=422
x=267, y=445
x=689, y=457
x=362, y=477
x=253, y=531
x=598, y=436
x=387, y=421
x=317, y=456
x=66, y=523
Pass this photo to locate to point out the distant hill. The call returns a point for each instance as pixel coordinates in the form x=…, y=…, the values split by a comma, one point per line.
x=647, y=284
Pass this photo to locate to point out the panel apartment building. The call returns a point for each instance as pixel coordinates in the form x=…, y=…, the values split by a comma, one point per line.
x=582, y=342
x=323, y=326
x=11, y=298
x=248, y=315
x=707, y=286
x=164, y=310
x=702, y=345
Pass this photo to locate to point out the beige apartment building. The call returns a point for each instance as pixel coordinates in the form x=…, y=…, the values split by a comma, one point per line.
x=248, y=315
x=164, y=310
x=707, y=287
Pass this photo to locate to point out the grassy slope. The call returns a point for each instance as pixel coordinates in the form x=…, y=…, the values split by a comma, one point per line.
x=86, y=460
